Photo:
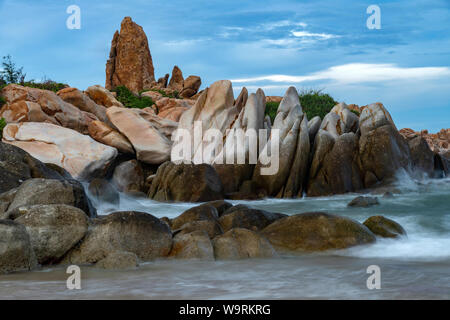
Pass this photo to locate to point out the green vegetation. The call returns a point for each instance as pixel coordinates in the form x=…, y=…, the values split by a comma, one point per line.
x=2, y=126
x=271, y=110
x=316, y=103
x=10, y=73
x=45, y=85
x=129, y=100
x=355, y=112
x=2, y=101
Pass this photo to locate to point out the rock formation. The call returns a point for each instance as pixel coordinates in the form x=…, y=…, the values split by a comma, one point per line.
x=130, y=62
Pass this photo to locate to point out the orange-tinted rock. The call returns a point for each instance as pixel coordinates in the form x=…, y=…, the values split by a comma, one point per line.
x=65, y=114
x=171, y=109
x=25, y=111
x=190, y=86
x=274, y=99
x=103, y=133
x=130, y=62
x=102, y=96
x=176, y=81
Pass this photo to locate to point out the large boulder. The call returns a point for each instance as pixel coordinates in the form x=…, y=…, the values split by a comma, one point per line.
x=186, y=183
x=242, y=244
x=383, y=151
x=61, y=112
x=210, y=226
x=194, y=245
x=83, y=102
x=49, y=191
x=151, y=145
x=384, y=227
x=25, y=111
x=293, y=155
x=421, y=155
x=313, y=128
x=190, y=86
x=16, y=253
x=335, y=166
x=316, y=231
x=53, y=229
x=363, y=202
x=102, y=96
x=136, y=232
x=199, y=213
x=130, y=62
x=129, y=177
x=17, y=166
x=103, y=133
x=241, y=216
x=80, y=155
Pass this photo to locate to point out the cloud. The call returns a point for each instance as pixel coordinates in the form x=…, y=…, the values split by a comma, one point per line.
x=306, y=34
x=356, y=73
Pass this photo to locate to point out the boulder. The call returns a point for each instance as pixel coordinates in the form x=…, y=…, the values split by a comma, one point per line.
x=244, y=217
x=103, y=97
x=152, y=94
x=150, y=144
x=25, y=111
x=118, y=260
x=16, y=253
x=135, y=232
x=5, y=200
x=53, y=229
x=83, y=102
x=220, y=205
x=17, y=166
x=349, y=121
x=103, y=133
x=384, y=227
x=176, y=80
x=80, y=155
x=293, y=155
x=316, y=231
x=63, y=113
x=199, y=213
x=186, y=183
x=211, y=227
x=242, y=244
x=130, y=62
x=363, y=202
x=421, y=155
x=335, y=166
x=49, y=191
x=190, y=86
x=163, y=81
x=129, y=177
x=170, y=108
x=194, y=245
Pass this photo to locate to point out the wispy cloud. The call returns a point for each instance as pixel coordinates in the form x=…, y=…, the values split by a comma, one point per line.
x=355, y=73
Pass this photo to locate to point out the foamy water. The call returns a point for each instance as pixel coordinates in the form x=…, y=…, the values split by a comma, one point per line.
x=414, y=267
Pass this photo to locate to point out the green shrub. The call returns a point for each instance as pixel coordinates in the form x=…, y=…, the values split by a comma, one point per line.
x=10, y=73
x=174, y=95
x=316, y=103
x=2, y=101
x=46, y=85
x=2, y=126
x=271, y=110
x=355, y=112
x=129, y=100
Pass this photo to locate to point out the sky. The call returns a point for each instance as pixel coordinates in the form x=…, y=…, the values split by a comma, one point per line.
x=321, y=44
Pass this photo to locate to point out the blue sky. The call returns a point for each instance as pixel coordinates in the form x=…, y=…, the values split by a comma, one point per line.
x=268, y=44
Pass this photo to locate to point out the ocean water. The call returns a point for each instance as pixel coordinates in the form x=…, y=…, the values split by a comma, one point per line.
x=414, y=267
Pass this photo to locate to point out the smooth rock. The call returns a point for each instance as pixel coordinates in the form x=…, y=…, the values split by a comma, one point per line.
x=118, y=260
x=384, y=227
x=103, y=97
x=129, y=177
x=194, y=245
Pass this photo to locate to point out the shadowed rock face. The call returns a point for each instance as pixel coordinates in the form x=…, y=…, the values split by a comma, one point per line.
x=136, y=232
x=316, y=231
x=16, y=166
x=16, y=253
x=130, y=62
x=186, y=182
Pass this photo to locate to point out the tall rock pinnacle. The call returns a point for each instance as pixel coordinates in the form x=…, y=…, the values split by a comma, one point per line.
x=130, y=62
